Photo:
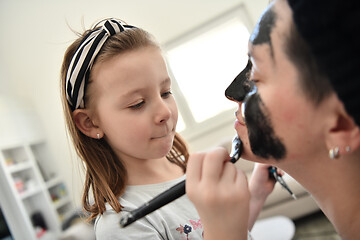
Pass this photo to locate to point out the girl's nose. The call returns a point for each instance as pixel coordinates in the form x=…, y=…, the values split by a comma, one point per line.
x=163, y=112
x=238, y=89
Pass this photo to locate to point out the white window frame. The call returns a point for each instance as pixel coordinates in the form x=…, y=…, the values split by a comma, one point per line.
x=194, y=130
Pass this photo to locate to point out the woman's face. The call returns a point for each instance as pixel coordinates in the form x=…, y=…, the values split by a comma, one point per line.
x=134, y=106
x=281, y=123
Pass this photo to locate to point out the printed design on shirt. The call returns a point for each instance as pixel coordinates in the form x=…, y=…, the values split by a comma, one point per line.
x=196, y=224
x=187, y=229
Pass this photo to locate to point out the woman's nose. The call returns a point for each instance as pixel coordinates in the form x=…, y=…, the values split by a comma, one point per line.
x=238, y=89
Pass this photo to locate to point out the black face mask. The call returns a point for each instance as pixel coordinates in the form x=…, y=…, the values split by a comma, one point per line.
x=263, y=142
x=240, y=86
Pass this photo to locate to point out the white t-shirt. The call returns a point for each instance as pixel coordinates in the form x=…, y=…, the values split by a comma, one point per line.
x=176, y=220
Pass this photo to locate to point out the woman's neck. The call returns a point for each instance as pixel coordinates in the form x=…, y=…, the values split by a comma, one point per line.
x=334, y=186
x=151, y=171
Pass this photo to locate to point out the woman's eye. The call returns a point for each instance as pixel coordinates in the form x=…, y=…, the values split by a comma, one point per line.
x=137, y=106
x=166, y=94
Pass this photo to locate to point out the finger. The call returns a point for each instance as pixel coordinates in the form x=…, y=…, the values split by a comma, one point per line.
x=280, y=172
x=213, y=164
x=228, y=175
x=194, y=167
x=242, y=180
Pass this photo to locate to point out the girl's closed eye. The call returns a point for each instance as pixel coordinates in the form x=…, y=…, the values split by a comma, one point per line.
x=166, y=94
x=137, y=105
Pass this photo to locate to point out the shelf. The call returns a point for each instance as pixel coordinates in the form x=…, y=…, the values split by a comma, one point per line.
x=61, y=202
x=30, y=192
x=66, y=212
x=53, y=182
x=14, y=156
x=26, y=163
x=19, y=167
x=28, y=185
x=48, y=235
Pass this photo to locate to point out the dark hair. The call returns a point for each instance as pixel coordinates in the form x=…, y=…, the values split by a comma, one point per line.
x=313, y=81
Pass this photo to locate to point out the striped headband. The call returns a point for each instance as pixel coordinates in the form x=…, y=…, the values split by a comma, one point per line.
x=83, y=59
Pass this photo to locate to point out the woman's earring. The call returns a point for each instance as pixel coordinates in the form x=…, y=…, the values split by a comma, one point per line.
x=347, y=148
x=98, y=136
x=334, y=153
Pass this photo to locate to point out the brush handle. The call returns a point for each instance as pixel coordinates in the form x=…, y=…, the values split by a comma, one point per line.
x=273, y=173
x=162, y=199
x=172, y=193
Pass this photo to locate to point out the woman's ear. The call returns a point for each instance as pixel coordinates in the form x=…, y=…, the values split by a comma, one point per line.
x=344, y=133
x=85, y=124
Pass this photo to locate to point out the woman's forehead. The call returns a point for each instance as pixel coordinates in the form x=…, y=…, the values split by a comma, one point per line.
x=270, y=32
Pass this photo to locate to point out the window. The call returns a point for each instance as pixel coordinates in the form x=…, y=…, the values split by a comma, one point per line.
x=203, y=63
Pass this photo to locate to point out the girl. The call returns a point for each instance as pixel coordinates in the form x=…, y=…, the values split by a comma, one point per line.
x=122, y=118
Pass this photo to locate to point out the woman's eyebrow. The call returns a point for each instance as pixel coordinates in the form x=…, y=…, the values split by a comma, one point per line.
x=252, y=54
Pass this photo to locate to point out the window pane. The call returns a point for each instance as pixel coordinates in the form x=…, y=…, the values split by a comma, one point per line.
x=180, y=126
x=204, y=66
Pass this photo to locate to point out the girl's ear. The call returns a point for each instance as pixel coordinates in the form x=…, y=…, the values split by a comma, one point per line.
x=85, y=124
x=344, y=133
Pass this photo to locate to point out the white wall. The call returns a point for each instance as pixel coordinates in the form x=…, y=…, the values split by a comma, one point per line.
x=35, y=34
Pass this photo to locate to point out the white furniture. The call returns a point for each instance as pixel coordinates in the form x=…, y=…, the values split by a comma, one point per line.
x=29, y=188
x=29, y=182
x=274, y=228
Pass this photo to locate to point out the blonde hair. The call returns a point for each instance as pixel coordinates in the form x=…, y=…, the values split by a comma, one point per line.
x=106, y=175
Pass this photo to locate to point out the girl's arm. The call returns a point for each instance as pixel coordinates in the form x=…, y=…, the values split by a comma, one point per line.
x=260, y=186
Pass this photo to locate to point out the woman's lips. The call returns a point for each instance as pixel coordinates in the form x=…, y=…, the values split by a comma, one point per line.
x=238, y=124
x=239, y=117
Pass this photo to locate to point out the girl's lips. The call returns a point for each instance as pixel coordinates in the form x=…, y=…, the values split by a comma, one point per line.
x=162, y=136
x=165, y=135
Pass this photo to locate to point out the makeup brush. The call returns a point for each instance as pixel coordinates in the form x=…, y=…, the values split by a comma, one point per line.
x=273, y=173
x=172, y=193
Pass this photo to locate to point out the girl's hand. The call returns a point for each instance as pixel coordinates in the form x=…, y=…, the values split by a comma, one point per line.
x=260, y=186
x=220, y=194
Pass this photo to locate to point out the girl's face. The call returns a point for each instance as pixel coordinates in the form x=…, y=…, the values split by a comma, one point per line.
x=134, y=106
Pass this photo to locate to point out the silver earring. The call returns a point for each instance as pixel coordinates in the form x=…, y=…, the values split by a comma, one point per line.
x=98, y=136
x=334, y=153
x=347, y=148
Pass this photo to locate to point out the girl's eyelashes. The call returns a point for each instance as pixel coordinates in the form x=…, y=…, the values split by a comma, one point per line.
x=137, y=106
x=166, y=94
x=142, y=103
